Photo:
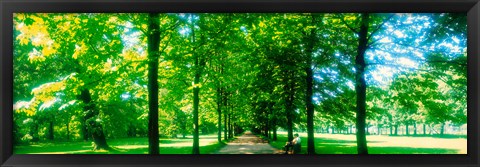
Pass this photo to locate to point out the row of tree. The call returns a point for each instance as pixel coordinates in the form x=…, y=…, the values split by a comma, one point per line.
x=98, y=76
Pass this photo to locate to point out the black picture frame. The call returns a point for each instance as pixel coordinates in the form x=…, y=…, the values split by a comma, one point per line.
x=8, y=7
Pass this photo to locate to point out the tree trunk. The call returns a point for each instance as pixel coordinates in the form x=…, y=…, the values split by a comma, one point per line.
x=391, y=130
x=225, y=130
x=93, y=126
x=274, y=133
x=196, y=101
x=230, y=126
x=153, y=57
x=289, y=88
x=34, y=132
x=406, y=129
x=68, y=130
x=424, y=129
x=442, y=129
x=414, y=129
x=219, y=112
x=84, y=129
x=360, y=85
x=309, y=91
x=196, y=98
x=379, y=130
x=396, y=130
x=50, y=131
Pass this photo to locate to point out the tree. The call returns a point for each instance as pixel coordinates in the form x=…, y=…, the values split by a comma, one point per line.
x=153, y=56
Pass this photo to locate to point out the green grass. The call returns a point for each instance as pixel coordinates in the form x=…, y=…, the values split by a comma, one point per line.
x=208, y=144
x=346, y=144
x=324, y=144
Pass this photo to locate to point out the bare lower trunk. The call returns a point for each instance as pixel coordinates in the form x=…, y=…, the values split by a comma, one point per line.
x=415, y=129
x=93, y=126
x=360, y=85
x=153, y=57
x=406, y=129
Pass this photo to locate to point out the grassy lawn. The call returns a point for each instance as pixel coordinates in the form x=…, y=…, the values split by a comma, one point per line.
x=346, y=144
x=208, y=144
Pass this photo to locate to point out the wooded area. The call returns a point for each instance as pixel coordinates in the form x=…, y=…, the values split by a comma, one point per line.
x=99, y=76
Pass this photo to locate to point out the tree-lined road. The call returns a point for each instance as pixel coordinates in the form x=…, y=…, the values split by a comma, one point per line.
x=248, y=143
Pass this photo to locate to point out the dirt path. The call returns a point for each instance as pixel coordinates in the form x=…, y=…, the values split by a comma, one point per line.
x=248, y=144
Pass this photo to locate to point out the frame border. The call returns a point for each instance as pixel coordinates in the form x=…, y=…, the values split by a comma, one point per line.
x=8, y=7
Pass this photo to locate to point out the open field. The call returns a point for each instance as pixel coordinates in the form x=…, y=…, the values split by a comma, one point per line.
x=325, y=144
x=208, y=144
x=346, y=144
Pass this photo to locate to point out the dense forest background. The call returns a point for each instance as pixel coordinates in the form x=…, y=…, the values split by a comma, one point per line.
x=93, y=77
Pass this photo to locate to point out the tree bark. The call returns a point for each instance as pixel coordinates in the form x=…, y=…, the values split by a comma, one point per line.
x=289, y=88
x=219, y=112
x=442, y=129
x=153, y=57
x=68, y=130
x=396, y=130
x=91, y=117
x=360, y=85
x=414, y=128
x=274, y=133
x=50, y=131
x=406, y=129
x=34, y=132
x=379, y=130
x=424, y=129
x=196, y=101
x=230, y=126
x=309, y=91
x=225, y=114
x=84, y=129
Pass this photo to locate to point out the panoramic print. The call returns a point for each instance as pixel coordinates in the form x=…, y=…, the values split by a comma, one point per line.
x=240, y=83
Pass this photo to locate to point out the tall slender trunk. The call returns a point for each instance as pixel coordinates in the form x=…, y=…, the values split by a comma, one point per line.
x=414, y=128
x=34, y=132
x=274, y=133
x=68, y=130
x=219, y=112
x=230, y=125
x=225, y=115
x=196, y=101
x=50, y=130
x=196, y=98
x=289, y=88
x=424, y=129
x=406, y=129
x=379, y=130
x=360, y=85
x=84, y=129
x=153, y=57
x=309, y=91
x=442, y=129
x=396, y=129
